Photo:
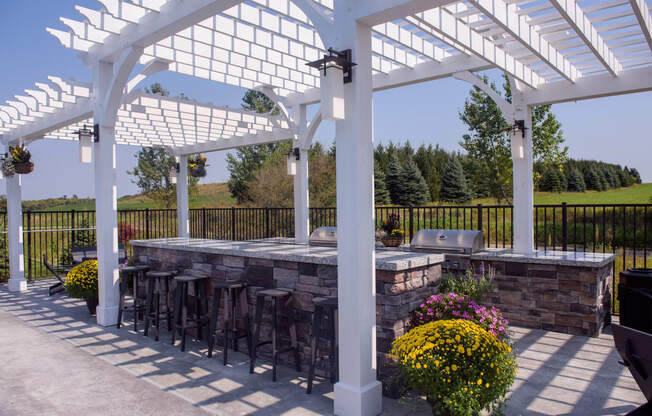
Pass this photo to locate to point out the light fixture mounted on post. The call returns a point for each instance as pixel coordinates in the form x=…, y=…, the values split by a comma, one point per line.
x=519, y=125
x=336, y=69
x=174, y=173
x=292, y=158
x=86, y=138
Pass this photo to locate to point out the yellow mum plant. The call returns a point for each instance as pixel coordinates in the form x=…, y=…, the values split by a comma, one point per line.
x=460, y=367
x=81, y=281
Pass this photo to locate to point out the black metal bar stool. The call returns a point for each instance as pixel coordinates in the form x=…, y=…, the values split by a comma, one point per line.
x=158, y=285
x=325, y=307
x=138, y=306
x=276, y=296
x=235, y=306
x=182, y=319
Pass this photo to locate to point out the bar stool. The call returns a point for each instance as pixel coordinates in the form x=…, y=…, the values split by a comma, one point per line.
x=137, y=273
x=324, y=307
x=235, y=306
x=158, y=285
x=198, y=319
x=276, y=296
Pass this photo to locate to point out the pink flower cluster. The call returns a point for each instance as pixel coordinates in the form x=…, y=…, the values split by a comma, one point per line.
x=454, y=306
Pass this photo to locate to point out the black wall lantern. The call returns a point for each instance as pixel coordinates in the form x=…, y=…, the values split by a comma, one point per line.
x=292, y=158
x=86, y=138
x=336, y=69
x=519, y=125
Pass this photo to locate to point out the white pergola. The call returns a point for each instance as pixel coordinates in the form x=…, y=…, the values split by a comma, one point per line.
x=552, y=51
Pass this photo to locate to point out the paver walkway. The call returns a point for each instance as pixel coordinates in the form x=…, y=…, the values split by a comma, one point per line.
x=62, y=363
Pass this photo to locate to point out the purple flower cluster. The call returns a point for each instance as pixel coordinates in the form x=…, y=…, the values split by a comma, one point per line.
x=454, y=306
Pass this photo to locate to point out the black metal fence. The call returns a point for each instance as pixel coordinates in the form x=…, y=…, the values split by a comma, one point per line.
x=622, y=229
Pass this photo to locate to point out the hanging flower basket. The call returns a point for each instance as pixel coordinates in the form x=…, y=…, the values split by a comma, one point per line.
x=21, y=159
x=24, y=167
x=197, y=166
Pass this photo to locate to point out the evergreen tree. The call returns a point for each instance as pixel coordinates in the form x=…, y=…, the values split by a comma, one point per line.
x=609, y=177
x=604, y=185
x=413, y=190
x=381, y=194
x=625, y=178
x=576, y=181
x=550, y=181
x=393, y=179
x=454, y=186
x=636, y=175
x=593, y=181
x=563, y=180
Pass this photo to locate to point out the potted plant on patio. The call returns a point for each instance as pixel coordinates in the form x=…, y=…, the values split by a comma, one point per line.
x=21, y=159
x=461, y=368
x=197, y=165
x=81, y=282
x=392, y=235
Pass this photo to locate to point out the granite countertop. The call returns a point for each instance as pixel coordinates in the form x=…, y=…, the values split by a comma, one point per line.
x=561, y=258
x=287, y=250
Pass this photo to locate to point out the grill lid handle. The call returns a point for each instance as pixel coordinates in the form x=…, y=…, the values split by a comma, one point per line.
x=442, y=236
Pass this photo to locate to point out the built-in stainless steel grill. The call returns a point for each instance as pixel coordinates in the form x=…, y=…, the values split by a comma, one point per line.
x=324, y=236
x=457, y=245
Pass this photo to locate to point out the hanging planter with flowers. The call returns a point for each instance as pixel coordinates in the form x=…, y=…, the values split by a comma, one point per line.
x=21, y=159
x=197, y=166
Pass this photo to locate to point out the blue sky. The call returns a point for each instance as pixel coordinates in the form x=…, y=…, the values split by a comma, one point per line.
x=614, y=129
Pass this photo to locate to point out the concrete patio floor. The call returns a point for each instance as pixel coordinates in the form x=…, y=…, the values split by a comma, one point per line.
x=88, y=369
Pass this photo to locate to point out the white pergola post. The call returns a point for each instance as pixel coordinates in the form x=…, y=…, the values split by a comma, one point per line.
x=106, y=205
x=301, y=183
x=183, y=222
x=358, y=392
x=523, y=168
x=17, y=282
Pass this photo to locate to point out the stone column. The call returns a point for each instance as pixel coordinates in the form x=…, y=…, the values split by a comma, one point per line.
x=17, y=282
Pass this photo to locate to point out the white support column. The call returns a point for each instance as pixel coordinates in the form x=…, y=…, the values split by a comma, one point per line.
x=523, y=168
x=106, y=205
x=358, y=392
x=301, y=182
x=17, y=282
x=182, y=197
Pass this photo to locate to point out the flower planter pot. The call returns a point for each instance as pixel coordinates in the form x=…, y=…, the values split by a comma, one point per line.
x=198, y=172
x=91, y=303
x=392, y=241
x=23, y=167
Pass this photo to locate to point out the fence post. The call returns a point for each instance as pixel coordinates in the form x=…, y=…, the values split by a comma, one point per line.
x=203, y=222
x=147, y=223
x=29, y=245
x=72, y=227
x=233, y=223
x=411, y=224
x=480, y=225
x=267, y=227
x=564, y=227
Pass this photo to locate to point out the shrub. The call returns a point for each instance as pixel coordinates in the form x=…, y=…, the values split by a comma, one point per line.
x=476, y=288
x=460, y=368
x=81, y=281
x=454, y=306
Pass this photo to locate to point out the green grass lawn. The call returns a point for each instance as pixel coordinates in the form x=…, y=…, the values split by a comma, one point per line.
x=636, y=194
x=210, y=195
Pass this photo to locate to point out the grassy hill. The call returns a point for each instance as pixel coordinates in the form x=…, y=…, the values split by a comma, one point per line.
x=218, y=195
x=207, y=195
x=635, y=194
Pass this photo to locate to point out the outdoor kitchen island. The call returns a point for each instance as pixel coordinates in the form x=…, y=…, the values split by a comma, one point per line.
x=403, y=278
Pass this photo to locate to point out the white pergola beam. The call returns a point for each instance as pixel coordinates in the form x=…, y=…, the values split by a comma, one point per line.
x=374, y=12
x=154, y=66
x=604, y=85
x=183, y=220
x=505, y=15
x=642, y=13
x=277, y=135
x=583, y=27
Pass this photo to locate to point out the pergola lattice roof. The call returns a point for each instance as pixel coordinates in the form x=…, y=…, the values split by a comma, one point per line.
x=267, y=43
x=144, y=119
